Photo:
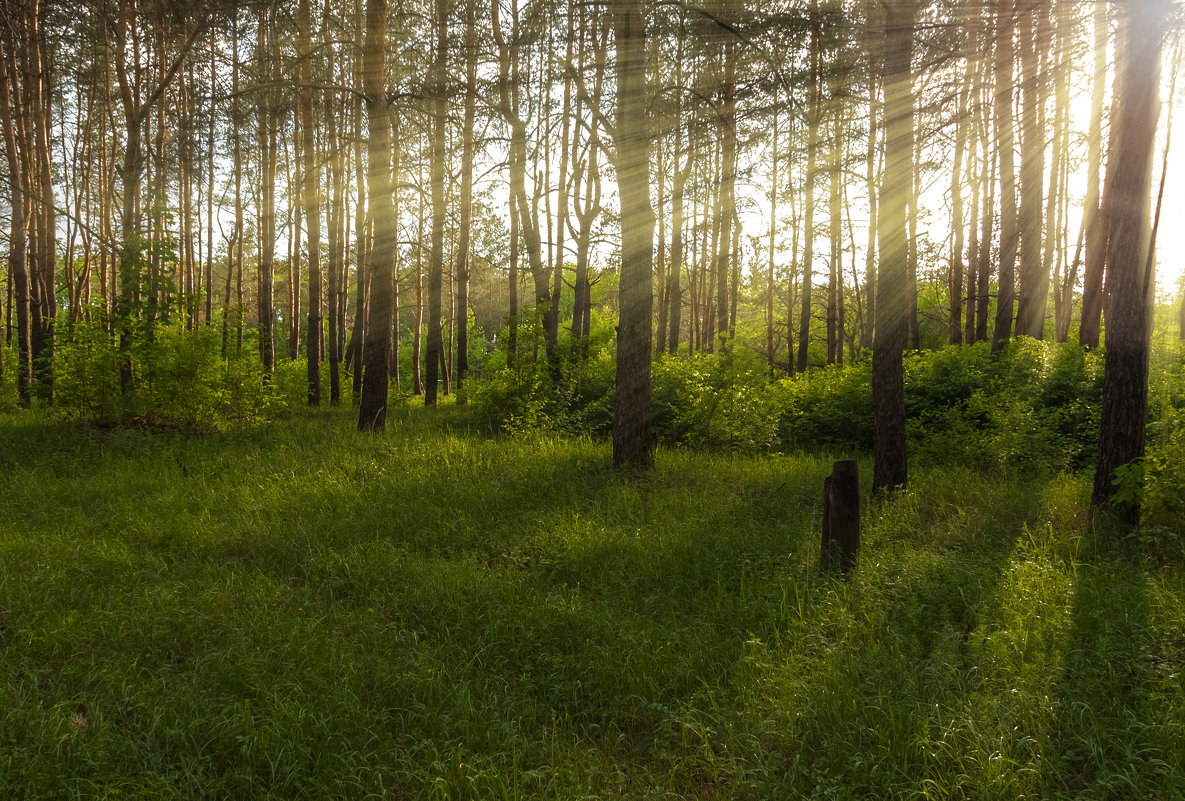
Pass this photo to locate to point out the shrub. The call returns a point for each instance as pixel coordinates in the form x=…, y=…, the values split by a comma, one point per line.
x=86, y=374
x=827, y=408
x=181, y=380
x=714, y=400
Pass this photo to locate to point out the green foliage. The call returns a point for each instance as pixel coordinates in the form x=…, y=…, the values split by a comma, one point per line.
x=714, y=401
x=830, y=408
x=1157, y=482
x=180, y=381
x=86, y=384
x=1031, y=406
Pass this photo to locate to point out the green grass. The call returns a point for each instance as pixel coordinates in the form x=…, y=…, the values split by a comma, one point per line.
x=302, y=611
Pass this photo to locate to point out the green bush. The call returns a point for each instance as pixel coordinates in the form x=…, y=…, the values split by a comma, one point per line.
x=720, y=400
x=827, y=408
x=181, y=380
x=1030, y=406
x=86, y=375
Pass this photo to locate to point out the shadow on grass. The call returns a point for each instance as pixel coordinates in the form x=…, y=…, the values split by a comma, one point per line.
x=886, y=683
x=1106, y=740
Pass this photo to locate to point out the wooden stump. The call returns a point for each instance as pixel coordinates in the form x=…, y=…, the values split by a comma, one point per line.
x=841, y=516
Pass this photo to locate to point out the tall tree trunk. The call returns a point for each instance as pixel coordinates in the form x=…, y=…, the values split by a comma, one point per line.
x=372, y=407
x=336, y=261
x=268, y=133
x=435, y=348
x=770, y=345
x=1093, y=221
x=417, y=335
x=870, y=254
x=1005, y=147
x=466, y=199
x=632, y=444
x=674, y=295
x=835, y=224
x=18, y=270
x=955, y=284
x=808, y=256
x=1130, y=283
x=726, y=210
x=311, y=200
x=1034, y=279
x=888, y=387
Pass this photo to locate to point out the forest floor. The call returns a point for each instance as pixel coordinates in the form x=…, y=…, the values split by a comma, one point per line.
x=303, y=611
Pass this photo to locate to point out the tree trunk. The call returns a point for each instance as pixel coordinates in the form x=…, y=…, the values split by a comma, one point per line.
x=268, y=133
x=835, y=224
x=17, y=244
x=955, y=284
x=1130, y=284
x=808, y=256
x=435, y=349
x=311, y=201
x=466, y=199
x=1034, y=279
x=726, y=210
x=1093, y=221
x=888, y=387
x=372, y=407
x=632, y=444
x=1005, y=147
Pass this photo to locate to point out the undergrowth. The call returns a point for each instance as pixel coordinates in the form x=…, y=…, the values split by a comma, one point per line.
x=302, y=611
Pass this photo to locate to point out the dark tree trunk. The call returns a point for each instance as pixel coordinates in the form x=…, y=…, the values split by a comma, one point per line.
x=466, y=200
x=1094, y=222
x=888, y=387
x=435, y=350
x=1034, y=278
x=1129, y=273
x=372, y=407
x=312, y=206
x=632, y=443
x=1006, y=292
x=808, y=256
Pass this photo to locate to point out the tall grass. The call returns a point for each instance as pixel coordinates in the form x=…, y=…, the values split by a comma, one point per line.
x=302, y=611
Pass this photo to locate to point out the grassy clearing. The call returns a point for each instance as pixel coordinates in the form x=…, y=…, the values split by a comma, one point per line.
x=302, y=611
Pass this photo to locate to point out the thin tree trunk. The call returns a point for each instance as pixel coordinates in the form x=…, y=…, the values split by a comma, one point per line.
x=466, y=199
x=435, y=349
x=808, y=256
x=311, y=200
x=1093, y=221
x=1005, y=296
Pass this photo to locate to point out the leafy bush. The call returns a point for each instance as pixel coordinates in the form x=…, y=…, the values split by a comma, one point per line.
x=86, y=375
x=714, y=400
x=181, y=380
x=1031, y=406
x=828, y=408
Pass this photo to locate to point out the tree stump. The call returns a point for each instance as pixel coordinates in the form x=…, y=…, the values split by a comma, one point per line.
x=841, y=516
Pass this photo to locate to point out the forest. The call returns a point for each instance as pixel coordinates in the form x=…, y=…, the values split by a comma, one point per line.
x=446, y=399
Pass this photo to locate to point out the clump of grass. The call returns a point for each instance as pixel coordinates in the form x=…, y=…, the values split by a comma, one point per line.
x=303, y=611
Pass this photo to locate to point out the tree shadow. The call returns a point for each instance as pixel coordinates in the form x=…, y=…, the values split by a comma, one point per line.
x=893, y=686
x=1106, y=741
